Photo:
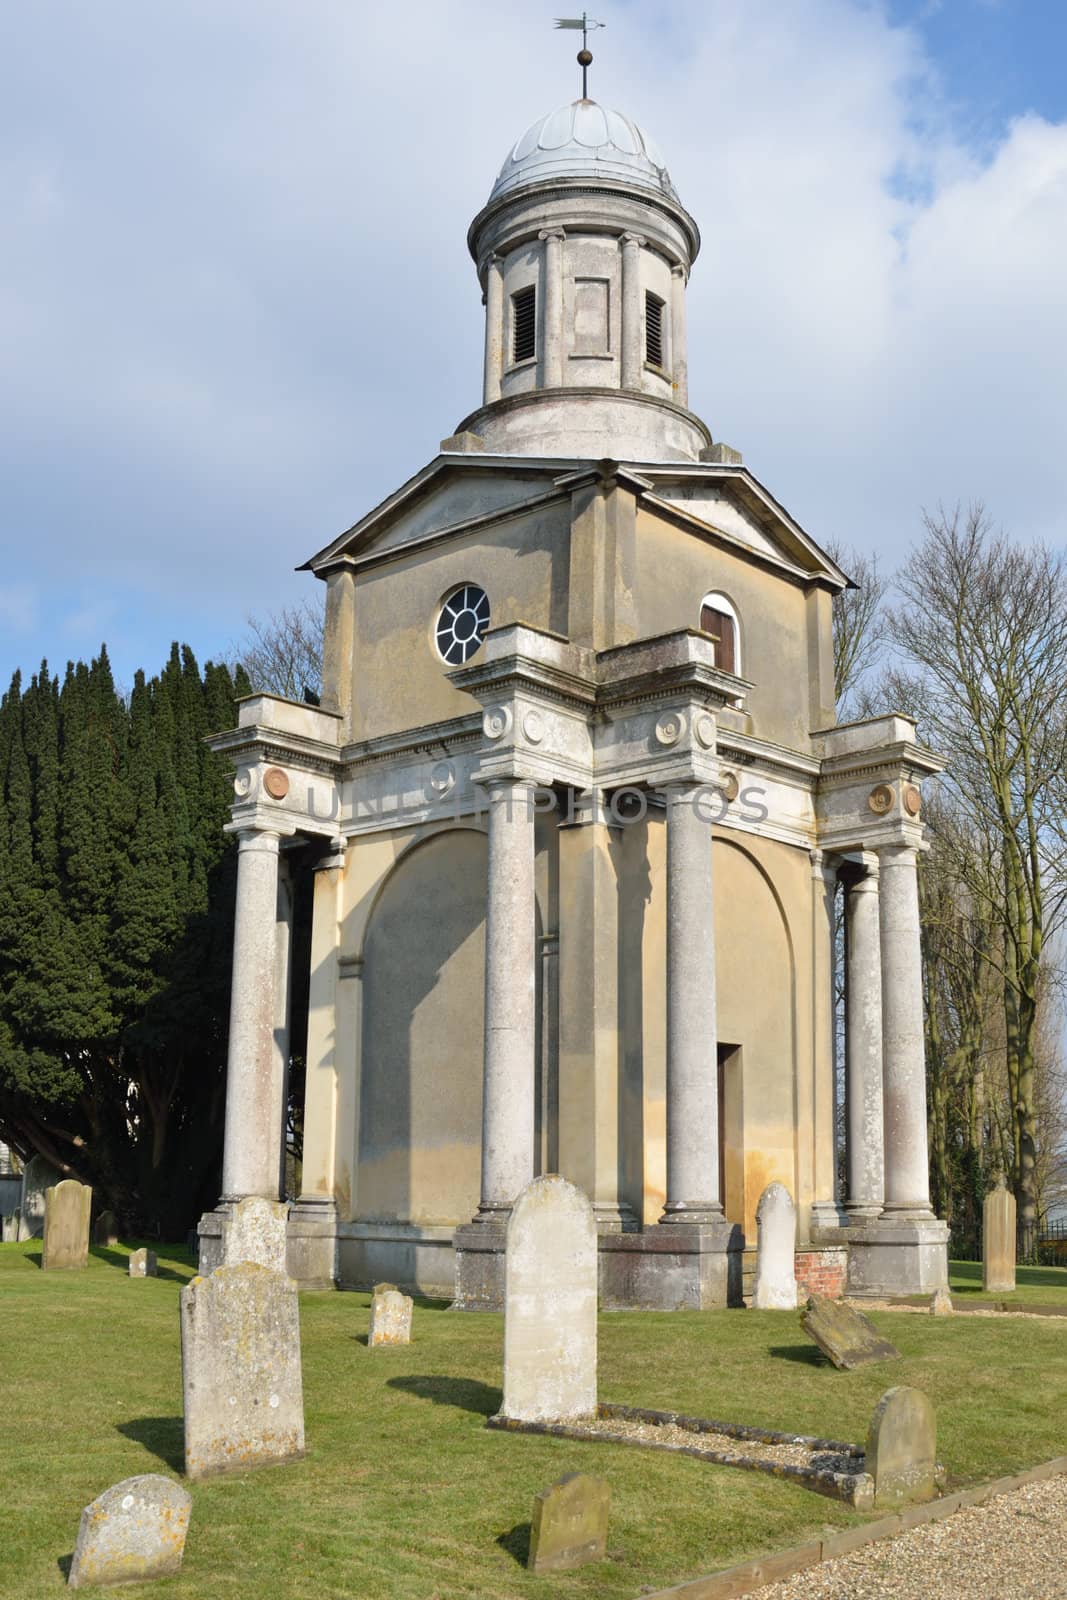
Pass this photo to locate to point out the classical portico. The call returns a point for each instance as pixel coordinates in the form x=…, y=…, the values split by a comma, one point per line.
x=578, y=822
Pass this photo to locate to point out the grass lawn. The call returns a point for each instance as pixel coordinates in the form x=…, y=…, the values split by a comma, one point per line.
x=1034, y=1285
x=405, y=1494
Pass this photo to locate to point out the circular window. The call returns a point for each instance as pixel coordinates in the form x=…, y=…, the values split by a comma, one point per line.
x=462, y=624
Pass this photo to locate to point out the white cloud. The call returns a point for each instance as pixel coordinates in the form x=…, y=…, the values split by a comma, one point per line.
x=238, y=307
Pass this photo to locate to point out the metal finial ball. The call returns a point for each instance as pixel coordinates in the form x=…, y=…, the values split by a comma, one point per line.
x=584, y=57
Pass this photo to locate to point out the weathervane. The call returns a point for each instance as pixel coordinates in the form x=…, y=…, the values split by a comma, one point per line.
x=585, y=55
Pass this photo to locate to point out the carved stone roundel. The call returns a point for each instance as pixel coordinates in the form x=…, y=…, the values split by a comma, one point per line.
x=443, y=777
x=242, y=782
x=533, y=726
x=912, y=800
x=276, y=783
x=705, y=731
x=730, y=785
x=670, y=726
x=496, y=722
x=880, y=799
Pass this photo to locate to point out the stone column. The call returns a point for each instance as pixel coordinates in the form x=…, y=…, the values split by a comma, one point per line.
x=824, y=1207
x=692, y=1038
x=863, y=1052
x=283, y=976
x=494, y=329
x=679, y=352
x=907, y=1170
x=509, y=1079
x=253, y=1071
x=631, y=310
x=552, y=308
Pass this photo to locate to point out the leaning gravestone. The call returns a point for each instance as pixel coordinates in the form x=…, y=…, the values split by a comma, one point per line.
x=844, y=1335
x=38, y=1176
x=255, y=1231
x=998, y=1240
x=390, y=1316
x=106, y=1229
x=550, y=1290
x=776, y=1224
x=902, y=1448
x=142, y=1263
x=570, y=1523
x=66, y=1225
x=132, y=1532
x=241, y=1382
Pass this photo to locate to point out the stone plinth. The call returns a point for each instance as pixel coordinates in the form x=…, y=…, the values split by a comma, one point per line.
x=131, y=1533
x=241, y=1380
x=998, y=1241
x=776, y=1224
x=672, y=1267
x=550, y=1294
x=902, y=1448
x=896, y=1256
x=142, y=1263
x=390, y=1316
x=479, y=1248
x=66, y=1225
x=255, y=1231
x=569, y=1526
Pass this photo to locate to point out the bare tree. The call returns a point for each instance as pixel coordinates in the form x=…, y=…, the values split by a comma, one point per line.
x=858, y=629
x=282, y=652
x=982, y=630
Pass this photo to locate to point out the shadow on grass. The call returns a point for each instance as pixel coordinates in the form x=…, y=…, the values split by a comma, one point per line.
x=64, y=1564
x=806, y=1355
x=466, y=1394
x=516, y=1542
x=161, y=1436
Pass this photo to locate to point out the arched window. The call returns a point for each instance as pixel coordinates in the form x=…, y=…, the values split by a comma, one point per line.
x=718, y=617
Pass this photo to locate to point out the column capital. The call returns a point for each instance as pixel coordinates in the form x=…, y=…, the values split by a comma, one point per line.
x=678, y=271
x=632, y=241
x=266, y=839
x=587, y=807
x=552, y=233
x=897, y=855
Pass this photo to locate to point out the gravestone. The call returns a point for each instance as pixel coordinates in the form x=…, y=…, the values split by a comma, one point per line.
x=845, y=1335
x=132, y=1532
x=66, y=1225
x=142, y=1263
x=941, y=1303
x=106, y=1230
x=38, y=1175
x=776, y=1224
x=255, y=1231
x=902, y=1448
x=241, y=1381
x=570, y=1523
x=550, y=1290
x=998, y=1240
x=390, y=1316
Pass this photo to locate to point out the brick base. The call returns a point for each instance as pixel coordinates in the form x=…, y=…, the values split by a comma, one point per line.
x=822, y=1272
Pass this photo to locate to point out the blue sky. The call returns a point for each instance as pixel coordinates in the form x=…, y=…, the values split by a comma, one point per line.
x=236, y=308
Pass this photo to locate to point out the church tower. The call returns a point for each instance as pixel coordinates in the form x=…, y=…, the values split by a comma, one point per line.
x=580, y=821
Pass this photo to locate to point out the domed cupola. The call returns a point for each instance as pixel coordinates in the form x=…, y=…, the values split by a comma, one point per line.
x=583, y=251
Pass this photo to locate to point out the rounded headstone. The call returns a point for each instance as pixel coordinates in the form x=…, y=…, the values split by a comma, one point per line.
x=132, y=1532
x=902, y=1448
x=776, y=1225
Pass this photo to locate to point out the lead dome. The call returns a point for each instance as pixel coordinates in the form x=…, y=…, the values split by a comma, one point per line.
x=585, y=140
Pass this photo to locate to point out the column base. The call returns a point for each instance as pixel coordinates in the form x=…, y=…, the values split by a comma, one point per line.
x=897, y=1256
x=672, y=1267
x=311, y=1243
x=479, y=1281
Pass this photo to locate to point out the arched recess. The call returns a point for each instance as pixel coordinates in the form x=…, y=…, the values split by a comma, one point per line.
x=757, y=1005
x=421, y=1055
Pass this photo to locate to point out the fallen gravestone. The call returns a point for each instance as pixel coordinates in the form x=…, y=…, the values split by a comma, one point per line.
x=142, y=1263
x=241, y=1381
x=66, y=1225
x=255, y=1231
x=941, y=1303
x=998, y=1240
x=902, y=1448
x=390, y=1316
x=570, y=1523
x=844, y=1335
x=550, y=1302
x=106, y=1230
x=776, y=1243
x=132, y=1532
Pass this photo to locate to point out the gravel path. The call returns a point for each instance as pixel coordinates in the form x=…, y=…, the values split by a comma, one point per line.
x=792, y=1454
x=1013, y=1547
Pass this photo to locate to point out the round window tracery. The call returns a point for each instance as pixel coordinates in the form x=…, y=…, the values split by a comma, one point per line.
x=462, y=624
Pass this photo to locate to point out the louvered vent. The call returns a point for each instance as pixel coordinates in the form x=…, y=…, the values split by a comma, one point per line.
x=653, y=330
x=524, y=324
